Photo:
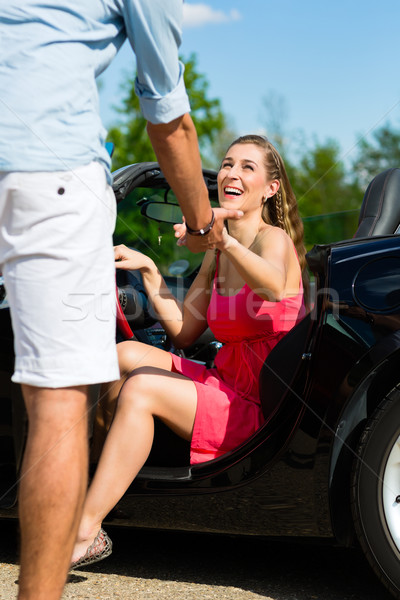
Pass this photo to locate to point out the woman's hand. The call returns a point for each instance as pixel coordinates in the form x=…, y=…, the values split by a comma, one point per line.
x=226, y=242
x=130, y=260
x=180, y=232
x=218, y=236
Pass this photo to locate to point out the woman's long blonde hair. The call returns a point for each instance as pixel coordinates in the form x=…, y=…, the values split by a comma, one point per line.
x=281, y=209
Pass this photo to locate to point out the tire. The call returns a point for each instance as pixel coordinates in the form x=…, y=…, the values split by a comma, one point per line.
x=375, y=492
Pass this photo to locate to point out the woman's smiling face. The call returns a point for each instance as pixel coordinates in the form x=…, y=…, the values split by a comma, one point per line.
x=242, y=179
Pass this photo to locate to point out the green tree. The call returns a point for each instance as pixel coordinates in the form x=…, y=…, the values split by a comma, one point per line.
x=329, y=196
x=323, y=187
x=216, y=151
x=378, y=154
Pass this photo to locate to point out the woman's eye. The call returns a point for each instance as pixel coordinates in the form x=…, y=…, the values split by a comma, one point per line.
x=249, y=167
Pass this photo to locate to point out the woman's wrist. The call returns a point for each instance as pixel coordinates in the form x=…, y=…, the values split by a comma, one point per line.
x=148, y=268
x=228, y=243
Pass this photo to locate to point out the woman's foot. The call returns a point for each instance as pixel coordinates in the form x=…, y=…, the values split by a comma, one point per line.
x=85, y=554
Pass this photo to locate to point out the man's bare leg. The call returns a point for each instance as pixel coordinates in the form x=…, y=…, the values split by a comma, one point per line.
x=52, y=488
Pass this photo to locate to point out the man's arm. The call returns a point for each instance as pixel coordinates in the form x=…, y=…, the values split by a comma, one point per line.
x=177, y=151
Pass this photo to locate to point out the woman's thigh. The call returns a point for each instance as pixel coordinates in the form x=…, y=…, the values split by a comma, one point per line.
x=169, y=396
x=133, y=355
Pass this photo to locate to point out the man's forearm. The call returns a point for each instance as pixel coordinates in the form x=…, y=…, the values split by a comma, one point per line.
x=176, y=148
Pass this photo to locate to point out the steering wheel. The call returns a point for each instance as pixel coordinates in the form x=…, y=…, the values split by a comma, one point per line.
x=133, y=311
x=122, y=323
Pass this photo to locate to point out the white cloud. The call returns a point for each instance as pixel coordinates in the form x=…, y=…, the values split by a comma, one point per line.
x=197, y=15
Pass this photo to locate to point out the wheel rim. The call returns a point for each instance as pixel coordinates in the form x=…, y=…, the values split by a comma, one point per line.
x=391, y=493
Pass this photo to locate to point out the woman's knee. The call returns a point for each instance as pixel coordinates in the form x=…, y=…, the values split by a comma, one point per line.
x=136, y=393
x=127, y=357
x=133, y=355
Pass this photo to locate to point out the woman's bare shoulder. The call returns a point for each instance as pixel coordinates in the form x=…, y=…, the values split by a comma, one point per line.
x=275, y=238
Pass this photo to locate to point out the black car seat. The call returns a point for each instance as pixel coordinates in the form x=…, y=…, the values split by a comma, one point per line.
x=380, y=209
x=282, y=365
x=379, y=215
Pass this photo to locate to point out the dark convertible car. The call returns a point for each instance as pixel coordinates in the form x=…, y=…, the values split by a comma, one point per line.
x=326, y=462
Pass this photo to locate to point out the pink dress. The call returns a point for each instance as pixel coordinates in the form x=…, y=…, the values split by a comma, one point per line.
x=228, y=403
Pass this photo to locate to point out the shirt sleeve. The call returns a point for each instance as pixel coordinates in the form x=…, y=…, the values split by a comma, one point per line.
x=154, y=30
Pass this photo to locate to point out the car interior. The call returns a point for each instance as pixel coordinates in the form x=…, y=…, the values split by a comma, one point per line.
x=379, y=216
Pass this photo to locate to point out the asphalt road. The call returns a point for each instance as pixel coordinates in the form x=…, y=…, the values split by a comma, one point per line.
x=170, y=566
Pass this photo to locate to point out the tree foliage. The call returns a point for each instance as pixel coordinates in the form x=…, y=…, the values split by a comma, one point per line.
x=321, y=183
x=378, y=154
x=323, y=187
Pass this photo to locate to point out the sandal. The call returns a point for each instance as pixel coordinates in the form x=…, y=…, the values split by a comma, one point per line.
x=100, y=548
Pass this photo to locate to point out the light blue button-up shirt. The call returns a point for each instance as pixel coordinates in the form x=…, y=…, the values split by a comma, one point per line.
x=50, y=54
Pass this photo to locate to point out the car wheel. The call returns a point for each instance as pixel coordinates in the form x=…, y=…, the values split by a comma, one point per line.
x=376, y=492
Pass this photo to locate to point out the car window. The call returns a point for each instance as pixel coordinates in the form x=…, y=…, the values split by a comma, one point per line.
x=155, y=239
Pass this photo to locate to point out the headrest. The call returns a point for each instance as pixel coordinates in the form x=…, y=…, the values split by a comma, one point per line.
x=380, y=209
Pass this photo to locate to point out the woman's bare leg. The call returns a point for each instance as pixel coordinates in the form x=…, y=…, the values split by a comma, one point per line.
x=147, y=393
x=131, y=355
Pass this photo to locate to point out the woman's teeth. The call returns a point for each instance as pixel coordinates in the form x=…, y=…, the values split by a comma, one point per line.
x=232, y=191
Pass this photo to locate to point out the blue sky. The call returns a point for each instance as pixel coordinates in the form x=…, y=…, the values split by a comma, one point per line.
x=334, y=66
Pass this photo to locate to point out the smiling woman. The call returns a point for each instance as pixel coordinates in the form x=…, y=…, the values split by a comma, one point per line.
x=256, y=297
x=253, y=178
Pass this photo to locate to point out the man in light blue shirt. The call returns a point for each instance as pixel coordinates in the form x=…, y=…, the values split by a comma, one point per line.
x=56, y=220
x=53, y=58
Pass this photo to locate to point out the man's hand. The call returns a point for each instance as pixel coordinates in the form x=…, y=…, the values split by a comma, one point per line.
x=201, y=243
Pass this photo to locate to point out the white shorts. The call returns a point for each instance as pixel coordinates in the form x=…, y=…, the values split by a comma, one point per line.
x=57, y=259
